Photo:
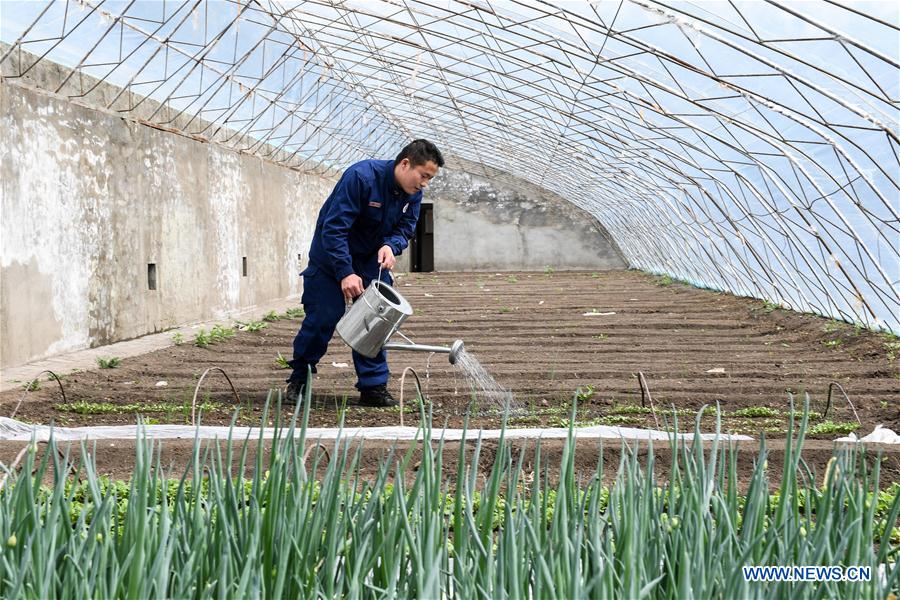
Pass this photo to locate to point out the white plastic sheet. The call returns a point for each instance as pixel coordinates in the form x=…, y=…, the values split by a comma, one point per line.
x=12, y=430
x=879, y=435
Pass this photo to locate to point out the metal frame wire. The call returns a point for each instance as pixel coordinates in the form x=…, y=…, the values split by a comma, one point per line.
x=745, y=147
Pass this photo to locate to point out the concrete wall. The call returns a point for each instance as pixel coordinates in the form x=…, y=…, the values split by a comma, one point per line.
x=89, y=199
x=494, y=222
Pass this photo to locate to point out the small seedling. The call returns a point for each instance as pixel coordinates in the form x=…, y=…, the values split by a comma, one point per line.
x=832, y=428
x=812, y=415
x=505, y=309
x=607, y=420
x=109, y=363
x=601, y=336
x=884, y=404
x=271, y=316
x=769, y=307
x=665, y=280
x=548, y=270
x=254, y=326
x=220, y=334
x=893, y=350
x=282, y=362
x=32, y=386
x=631, y=409
x=565, y=423
x=584, y=393
x=177, y=338
x=512, y=279
x=755, y=411
x=105, y=408
x=202, y=339
x=595, y=275
x=525, y=420
x=833, y=343
x=615, y=420
x=294, y=313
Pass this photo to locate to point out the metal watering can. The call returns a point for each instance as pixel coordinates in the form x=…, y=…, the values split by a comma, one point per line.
x=370, y=322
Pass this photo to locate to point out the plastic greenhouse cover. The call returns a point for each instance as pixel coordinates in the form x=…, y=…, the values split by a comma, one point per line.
x=744, y=146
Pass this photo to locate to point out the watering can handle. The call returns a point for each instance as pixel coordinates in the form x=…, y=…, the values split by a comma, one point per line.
x=380, y=268
x=348, y=303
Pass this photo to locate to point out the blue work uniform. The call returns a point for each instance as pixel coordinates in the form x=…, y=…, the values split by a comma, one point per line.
x=365, y=211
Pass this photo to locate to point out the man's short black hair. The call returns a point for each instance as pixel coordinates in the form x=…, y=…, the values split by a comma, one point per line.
x=420, y=152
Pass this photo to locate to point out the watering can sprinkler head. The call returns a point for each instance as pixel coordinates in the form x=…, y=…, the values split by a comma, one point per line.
x=457, y=347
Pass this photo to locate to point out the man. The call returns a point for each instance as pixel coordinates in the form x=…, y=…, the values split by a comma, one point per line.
x=367, y=221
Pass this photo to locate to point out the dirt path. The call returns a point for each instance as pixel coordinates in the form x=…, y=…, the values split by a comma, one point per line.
x=694, y=347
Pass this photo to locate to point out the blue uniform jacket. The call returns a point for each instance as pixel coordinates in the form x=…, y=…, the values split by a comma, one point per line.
x=365, y=211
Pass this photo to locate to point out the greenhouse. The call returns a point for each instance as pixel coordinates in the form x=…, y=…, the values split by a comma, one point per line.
x=659, y=243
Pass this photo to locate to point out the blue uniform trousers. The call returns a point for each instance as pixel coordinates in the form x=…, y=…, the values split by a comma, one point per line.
x=324, y=305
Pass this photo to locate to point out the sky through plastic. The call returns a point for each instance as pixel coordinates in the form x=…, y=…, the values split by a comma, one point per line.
x=745, y=146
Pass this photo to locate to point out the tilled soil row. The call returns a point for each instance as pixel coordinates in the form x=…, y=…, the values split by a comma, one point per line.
x=116, y=459
x=693, y=347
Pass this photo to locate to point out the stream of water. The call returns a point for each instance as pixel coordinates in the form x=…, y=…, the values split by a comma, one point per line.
x=485, y=387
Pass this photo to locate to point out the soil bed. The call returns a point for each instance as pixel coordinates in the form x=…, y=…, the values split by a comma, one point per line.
x=116, y=458
x=693, y=347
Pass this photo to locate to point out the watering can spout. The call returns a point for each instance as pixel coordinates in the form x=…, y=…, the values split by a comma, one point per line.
x=453, y=350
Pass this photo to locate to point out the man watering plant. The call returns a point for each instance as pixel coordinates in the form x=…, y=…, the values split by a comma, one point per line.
x=365, y=224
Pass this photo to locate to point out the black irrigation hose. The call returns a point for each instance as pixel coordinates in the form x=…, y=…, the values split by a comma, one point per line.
x=237, y=396
x=32, y=382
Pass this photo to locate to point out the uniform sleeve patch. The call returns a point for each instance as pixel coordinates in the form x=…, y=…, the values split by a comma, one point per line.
x=375, y=204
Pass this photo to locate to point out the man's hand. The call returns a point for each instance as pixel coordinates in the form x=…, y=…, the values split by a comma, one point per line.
x=386, y=257
x=352, y=287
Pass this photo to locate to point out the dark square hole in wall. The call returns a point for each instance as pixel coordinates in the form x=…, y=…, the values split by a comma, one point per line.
x=244, y=265
x=151, y=276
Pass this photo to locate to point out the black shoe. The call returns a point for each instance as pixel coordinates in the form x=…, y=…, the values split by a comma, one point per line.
x=294, y=392
x=377, y=396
